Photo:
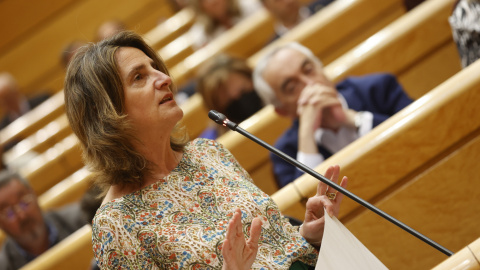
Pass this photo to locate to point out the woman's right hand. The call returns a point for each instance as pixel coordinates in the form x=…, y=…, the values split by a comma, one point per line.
x=237, y=252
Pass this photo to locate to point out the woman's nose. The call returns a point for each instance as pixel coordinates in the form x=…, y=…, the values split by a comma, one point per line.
x=162, y=81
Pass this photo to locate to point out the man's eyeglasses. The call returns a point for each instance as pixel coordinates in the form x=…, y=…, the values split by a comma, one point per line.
x=10, y=212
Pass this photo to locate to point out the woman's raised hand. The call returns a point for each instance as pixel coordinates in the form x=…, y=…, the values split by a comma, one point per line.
x=237, y=252
x=328, y=198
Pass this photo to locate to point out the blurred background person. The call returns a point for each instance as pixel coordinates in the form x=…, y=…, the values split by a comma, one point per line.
x=29, y=231
x=109, y=28
x=290, y=13
x=13, y=102
x=214, y=17
x=325, y=117
x=69, y=51
x=226, y=86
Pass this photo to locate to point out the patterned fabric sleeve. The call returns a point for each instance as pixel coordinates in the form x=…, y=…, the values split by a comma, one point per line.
x=113, y=246
x=227, y=158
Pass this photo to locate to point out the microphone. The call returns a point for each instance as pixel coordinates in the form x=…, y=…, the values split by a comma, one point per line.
x=223, y=120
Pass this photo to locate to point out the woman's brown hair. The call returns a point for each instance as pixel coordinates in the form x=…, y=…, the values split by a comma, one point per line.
x=95, y=107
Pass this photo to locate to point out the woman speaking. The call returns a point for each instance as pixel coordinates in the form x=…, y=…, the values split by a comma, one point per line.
x=170, y=203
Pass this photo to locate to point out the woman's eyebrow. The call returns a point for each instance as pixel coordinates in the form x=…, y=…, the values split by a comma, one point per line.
x=135, y=69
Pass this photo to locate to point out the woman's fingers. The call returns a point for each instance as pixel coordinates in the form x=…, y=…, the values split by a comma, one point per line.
x=255, y=231
x=332, y=174
x=343, y=184
x=239, y=253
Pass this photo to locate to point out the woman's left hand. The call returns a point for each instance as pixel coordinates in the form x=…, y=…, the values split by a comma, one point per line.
x=237, y=252
x=314, y=223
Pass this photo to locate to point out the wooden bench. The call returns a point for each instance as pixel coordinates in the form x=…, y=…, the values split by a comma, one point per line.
x=466, y=258
x=38, y=142
x=442, y=202
x=329, y=33
x=51, y=35
x=244, y=39
x=247, y=29
x=34, y=120
x=69, y=190
x=402, y=166
x=177, y=50
x=40, y=69
x=74, y=252
x=373, y=57
x=54, y=165
x=169, y=30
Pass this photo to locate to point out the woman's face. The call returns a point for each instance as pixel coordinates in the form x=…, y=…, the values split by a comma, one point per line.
x=149, y=101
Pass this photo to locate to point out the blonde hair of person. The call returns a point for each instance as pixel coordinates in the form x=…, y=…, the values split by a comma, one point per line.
x=95, y=107
x=233, y=10
x=215, y=73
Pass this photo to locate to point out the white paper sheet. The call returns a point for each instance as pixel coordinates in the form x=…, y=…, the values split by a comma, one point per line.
x=342, y=250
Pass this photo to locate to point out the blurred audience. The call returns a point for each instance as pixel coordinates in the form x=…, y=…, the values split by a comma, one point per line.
x=69, y=51
x=465, y=24
x=13, y=102
x=290, y=13
x=325, y=117
x=226, y=86
x=109, y=28
x=29, y=231
x=216, y=16
x=177, y=5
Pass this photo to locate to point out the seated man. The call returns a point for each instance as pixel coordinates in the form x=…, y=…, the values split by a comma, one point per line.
x=325, y=117
x=30, y=233
x=290, y=13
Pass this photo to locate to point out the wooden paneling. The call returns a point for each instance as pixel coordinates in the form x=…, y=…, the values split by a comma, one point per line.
x=466, y=258
x=403, y=46
x=443, y=202
x=35, y=62
x=54, y=165
x=74, y=253
x=33, y=120
x=19, y=18
x=40, y=141
x=170, y=29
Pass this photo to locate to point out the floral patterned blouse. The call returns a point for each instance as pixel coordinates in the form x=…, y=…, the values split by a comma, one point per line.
x=180, y=221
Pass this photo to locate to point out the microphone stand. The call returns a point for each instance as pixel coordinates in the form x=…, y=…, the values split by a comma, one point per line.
x=223, y=120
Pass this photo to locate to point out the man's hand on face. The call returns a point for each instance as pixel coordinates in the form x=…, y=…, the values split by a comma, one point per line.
x=319, y=106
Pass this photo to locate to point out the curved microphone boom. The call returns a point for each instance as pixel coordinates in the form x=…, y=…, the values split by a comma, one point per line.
x=223, y=120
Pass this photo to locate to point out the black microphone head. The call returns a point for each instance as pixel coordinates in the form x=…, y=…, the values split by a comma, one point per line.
x=219, y=118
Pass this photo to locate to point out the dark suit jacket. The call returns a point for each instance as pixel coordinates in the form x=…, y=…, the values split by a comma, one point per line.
x=380, y=94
